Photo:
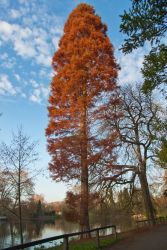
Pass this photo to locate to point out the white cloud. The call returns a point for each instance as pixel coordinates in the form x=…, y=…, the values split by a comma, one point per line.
x=45, y=91
x=23, y=95
x=36, y=96
x=7, y=30
x=131, y=65
x=14, y=13
x=24, y=49
x=29, y=35
x=45, y=73
x=34, y=83
x=44, y=60
x=56, y=30
x=6, y=86
x=20, y=38
x=55, y=41
x=39, y=94
x=4, y=56
x=27, y=43
x=6, y=61
x=17, y=77
x=42, y=73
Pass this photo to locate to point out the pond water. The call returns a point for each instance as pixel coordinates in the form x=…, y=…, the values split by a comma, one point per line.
x=34, y=230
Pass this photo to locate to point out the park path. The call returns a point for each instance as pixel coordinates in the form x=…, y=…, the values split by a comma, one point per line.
x=153, y=239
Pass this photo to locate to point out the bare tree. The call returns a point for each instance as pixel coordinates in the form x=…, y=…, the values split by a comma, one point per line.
x=17, y=163
x=140, y=131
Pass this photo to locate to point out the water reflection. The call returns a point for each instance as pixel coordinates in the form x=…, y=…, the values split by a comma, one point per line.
x=123, y=221
x=33, y=230
x=39, y=229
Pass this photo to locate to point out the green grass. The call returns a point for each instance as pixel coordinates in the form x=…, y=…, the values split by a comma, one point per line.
x=87, y=244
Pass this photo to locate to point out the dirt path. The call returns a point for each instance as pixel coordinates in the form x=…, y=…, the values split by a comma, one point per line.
x=154, y=239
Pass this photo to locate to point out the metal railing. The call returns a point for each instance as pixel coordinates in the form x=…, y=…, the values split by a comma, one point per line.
x=149, y=222
x=65, y=238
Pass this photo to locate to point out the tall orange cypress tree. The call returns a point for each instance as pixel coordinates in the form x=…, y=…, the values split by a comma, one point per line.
x=83, y=88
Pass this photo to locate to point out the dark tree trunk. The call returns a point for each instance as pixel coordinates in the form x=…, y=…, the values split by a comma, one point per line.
x=84, y=206
x=11, y=233
x=84, y=214
x=146, y=197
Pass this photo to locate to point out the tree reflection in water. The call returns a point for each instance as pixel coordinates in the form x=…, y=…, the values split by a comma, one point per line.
x=38, y=229
x=33, y=230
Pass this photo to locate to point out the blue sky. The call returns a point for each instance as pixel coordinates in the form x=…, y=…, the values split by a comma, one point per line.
x=29, y=35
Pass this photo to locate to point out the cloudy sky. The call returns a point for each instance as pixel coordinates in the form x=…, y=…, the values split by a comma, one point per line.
x=29, y=35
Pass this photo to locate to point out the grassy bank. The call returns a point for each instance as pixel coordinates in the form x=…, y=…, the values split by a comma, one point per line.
x=86, y=244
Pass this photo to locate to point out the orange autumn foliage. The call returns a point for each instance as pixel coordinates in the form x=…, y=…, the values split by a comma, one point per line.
x=82, y=90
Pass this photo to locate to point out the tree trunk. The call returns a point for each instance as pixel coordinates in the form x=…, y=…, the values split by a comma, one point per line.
x=11, y=233
x=84, y=213
x=20, y=208
x=146, y=197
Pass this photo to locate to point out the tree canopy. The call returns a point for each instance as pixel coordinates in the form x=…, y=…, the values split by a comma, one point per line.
x=146, y=21
x=82, y=89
